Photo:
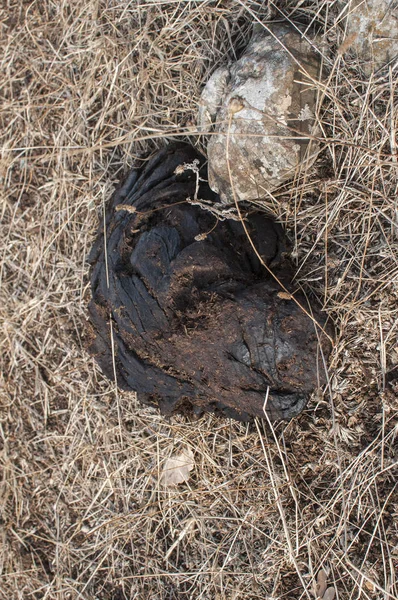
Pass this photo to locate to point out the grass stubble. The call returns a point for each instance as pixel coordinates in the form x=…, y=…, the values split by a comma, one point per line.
x=87, y=90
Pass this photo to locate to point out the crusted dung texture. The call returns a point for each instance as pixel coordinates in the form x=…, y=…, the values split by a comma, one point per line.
x=197, y=321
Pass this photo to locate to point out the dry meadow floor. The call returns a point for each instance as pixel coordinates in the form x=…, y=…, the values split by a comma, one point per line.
x=88, y=88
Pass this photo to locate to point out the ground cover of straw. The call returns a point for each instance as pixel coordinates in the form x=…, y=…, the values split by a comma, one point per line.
x=88, y=88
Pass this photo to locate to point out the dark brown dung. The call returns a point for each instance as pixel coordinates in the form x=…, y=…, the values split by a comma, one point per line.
x=198, y=324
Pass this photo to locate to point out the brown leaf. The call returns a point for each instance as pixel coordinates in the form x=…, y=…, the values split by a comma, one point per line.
x=176, y=468
x=329, y=594
x=321, y=584
x=284, y=295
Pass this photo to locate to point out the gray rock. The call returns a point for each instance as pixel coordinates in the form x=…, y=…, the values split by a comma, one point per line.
x=260, y=111
x=372, y=32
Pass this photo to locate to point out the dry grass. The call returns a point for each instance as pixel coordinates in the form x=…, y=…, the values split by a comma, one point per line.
x=87, y=88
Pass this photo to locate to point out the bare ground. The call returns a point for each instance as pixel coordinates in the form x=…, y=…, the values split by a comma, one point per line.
x=88, y=88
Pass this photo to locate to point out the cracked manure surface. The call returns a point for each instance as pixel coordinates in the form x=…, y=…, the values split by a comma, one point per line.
x=197, y=324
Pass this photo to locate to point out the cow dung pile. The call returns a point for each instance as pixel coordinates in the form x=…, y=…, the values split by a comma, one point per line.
x=182, y=310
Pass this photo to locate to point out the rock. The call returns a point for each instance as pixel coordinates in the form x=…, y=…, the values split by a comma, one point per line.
x=198, y=324
x=372, y=32
x=264, y=105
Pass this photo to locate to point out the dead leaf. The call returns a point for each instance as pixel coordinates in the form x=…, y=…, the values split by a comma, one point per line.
x=329, y=594
x=284, y=295
x=176, y=468
x=321, y=584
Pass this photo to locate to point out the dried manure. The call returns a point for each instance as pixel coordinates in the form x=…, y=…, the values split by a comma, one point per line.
x=198, y=324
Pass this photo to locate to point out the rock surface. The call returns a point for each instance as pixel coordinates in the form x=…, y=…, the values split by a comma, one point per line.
x=262, y=108
x=197, y=322
x=372, y=31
